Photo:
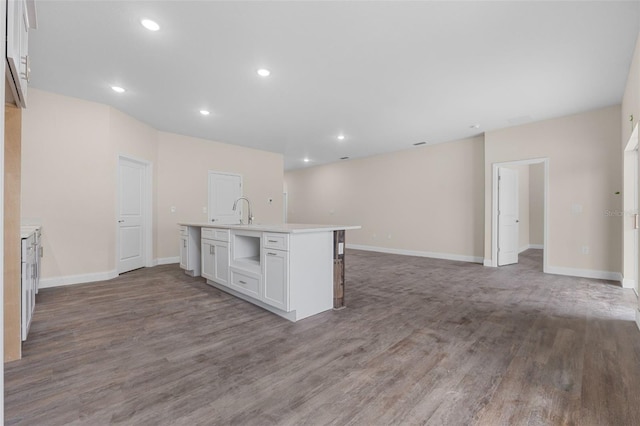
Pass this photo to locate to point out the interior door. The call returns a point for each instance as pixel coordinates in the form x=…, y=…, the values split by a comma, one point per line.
x=224, y=190
x=131, y=180
x=508, y=222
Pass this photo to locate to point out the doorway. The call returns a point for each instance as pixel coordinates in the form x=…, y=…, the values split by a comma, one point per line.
x=533, y=218
x=133, y=228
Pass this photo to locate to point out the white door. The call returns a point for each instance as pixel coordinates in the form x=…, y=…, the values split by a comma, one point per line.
x=507, y=216
x=131, y=232
x=224, y=190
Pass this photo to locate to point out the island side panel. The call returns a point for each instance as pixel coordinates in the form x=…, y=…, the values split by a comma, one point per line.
x=311, y=273
x=338, y=269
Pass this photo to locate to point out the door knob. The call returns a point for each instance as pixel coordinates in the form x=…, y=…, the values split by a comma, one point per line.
x=517, y=221
x=120, y=221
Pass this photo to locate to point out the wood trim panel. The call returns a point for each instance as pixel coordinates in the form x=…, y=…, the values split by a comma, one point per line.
x=12, y=265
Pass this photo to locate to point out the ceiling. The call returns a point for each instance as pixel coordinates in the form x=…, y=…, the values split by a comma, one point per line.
x=385, y=75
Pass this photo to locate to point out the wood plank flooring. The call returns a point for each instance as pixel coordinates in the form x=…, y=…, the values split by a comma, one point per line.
x=422, y=341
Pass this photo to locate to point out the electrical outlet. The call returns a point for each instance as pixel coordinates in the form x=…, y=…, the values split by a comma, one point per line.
x=173, y=209
x=204, y=210
x=388, y=236
x=270, y=200
x=585, y=249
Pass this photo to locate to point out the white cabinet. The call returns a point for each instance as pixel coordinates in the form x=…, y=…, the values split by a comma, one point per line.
x=221, y=270
x=31, y=250
x=214, y=250
x=190, y=250
x=276, y=279
x=20, y=18
x=207, y=250
x=245, y=282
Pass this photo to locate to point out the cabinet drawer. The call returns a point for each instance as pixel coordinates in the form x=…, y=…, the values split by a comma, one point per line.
x=221, y=235
x=215, y=234
x=276, y=241
x=207, y=233
x=245, y=283
x=184, y=230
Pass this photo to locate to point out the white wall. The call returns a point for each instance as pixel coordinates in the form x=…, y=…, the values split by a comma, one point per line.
x=425, y=200
x=69, y=174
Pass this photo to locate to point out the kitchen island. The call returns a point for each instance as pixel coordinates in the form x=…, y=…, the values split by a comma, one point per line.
x=292, y=270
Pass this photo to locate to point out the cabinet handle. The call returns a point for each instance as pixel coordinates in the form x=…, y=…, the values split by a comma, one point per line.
x=184, y=242
x=242, y=282
x=211, y=250
x=271, y=254
x=213, y=220
x=272, y=241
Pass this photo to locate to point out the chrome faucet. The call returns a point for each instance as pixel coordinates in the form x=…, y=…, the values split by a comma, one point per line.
x=235, y=204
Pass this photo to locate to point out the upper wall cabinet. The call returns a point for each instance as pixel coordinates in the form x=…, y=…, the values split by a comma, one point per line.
x=21, y=17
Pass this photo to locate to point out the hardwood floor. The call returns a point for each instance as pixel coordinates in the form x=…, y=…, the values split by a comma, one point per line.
x=422, y=341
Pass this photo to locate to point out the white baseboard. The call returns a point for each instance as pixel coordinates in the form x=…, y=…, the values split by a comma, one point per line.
x=96, y=276
x=531, y=246
x=584, y=273
x=488, y=262
x=445, y=256
x=628, y=283
x=638, y=318
x=77, y=279
x=167, y=260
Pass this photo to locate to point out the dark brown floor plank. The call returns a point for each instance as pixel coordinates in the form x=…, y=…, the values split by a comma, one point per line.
x=422, y=341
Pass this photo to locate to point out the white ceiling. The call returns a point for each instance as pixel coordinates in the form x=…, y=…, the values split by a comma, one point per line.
x=385, y=74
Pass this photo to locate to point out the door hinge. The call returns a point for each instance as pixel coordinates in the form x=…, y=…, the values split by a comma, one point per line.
x=636, y=221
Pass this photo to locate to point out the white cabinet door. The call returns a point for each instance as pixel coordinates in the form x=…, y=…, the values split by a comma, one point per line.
x=17, y=49
x=208, y=259
x=276, y=279
x=221, y=270
x=184, y=252
x=224, y=190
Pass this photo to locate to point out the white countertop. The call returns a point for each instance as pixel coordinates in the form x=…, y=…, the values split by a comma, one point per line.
x=287, y=228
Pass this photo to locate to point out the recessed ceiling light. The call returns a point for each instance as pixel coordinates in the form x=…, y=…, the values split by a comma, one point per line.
x=150, y=25
x=263, y=72
x=117, y=89
x=204, y=112
x=474, y=126
x=340, y=137
x=306, y=160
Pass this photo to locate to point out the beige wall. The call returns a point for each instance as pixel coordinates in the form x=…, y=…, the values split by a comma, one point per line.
x=584, y=163
x=183, y=165
x=427, y=199
x=536, y=204
x=68, y=183
x=69, y=168
x=523, y=205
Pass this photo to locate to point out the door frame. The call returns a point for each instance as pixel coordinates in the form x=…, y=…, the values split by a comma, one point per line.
x=147, y=216
x=630, y=207
x=494, y=207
